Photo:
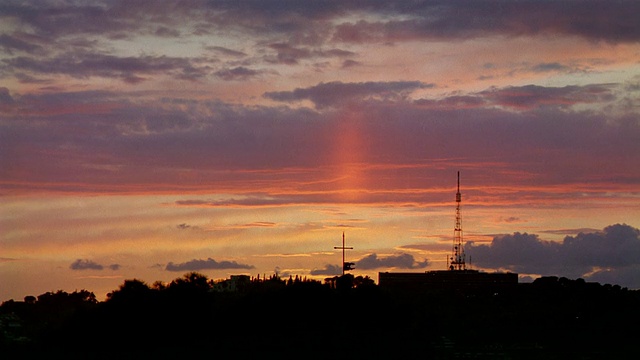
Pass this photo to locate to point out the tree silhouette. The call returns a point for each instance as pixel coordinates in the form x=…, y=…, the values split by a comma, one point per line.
x=347, y=317
x=131, y=290
x=192, y=281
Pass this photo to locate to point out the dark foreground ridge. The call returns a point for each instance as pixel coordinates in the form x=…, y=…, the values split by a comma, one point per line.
x=345, y=317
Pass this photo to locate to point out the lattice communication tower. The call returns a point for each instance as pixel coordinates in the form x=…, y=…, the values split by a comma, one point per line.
x=457, y=259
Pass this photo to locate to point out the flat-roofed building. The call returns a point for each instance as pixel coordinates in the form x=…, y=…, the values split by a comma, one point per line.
x=443, y=280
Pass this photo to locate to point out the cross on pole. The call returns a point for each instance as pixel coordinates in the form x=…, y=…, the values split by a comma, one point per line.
x=345, y=265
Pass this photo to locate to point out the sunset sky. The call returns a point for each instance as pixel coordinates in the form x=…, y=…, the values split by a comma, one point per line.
x=147, y=139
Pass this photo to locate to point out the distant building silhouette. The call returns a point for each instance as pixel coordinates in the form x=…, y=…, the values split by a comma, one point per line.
x=448, y=280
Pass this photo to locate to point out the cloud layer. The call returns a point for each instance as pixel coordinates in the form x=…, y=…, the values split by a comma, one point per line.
x=401, y=261
x=85, y=264
x=612, y=253
x=209, y=264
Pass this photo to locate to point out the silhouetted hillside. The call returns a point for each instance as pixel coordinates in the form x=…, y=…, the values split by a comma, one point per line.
x=551, y=318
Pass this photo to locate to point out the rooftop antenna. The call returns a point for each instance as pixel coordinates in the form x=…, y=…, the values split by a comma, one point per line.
x=457, y=260
x=345, y=265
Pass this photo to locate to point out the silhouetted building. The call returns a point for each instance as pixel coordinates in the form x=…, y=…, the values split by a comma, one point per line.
x=446, y=280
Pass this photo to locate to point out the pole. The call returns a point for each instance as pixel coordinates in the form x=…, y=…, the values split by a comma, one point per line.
x=343, y=253
x=343, y=249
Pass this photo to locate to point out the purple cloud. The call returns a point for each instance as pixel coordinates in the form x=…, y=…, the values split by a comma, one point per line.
x=209, y=264
x=314, y=23
x=237, y=73
x=613, y=22
x=401, y=261
x=123, y=136
x=86, y=64
x=337, y=93
x=328, y=269
x=592, y=255
x=83, y=264
x=14, y=43
x=533, y=96
x=226, y=51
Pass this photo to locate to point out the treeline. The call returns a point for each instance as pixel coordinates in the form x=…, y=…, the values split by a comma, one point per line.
x=345, y=316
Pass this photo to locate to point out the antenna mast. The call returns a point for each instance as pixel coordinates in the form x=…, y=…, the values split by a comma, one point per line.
x=457, y=260
x=345, y=265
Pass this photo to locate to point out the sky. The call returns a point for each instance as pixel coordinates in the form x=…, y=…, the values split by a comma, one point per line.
x=148, y=139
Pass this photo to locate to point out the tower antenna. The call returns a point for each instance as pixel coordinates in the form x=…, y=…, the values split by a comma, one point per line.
x=457, y=260
x=345, y=265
